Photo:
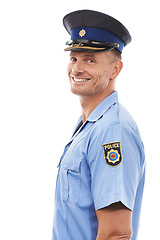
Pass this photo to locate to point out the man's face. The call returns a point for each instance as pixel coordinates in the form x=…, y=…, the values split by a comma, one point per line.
x=90, y=73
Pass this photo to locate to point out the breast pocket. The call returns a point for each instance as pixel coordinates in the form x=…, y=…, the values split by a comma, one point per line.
x=70, y=178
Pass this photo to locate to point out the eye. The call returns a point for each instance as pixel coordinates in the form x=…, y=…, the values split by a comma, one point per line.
x=90, y=61
x=73, y=59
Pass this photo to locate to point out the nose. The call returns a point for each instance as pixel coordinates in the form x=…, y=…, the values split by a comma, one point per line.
x=77, y=68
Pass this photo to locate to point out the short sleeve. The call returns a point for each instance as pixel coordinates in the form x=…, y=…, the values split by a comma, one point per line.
x=115, y=157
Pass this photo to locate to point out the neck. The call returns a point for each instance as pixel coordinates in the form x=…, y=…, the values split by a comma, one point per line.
x=88, y=104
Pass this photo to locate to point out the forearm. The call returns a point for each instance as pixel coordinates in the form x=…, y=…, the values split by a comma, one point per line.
x=114, y=236
x=114, y=233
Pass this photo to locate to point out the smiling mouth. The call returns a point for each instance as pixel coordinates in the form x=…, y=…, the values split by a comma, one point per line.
x=80, y=79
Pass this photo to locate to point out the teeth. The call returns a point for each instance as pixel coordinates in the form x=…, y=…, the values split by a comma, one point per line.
x=80, y=80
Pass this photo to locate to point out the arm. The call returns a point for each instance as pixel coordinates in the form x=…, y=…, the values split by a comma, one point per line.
x=114, y=222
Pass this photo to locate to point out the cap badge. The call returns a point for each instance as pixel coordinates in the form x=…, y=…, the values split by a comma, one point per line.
x=82, y=33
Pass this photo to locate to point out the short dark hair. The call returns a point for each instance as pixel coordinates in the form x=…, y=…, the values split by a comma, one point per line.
x=117, y=54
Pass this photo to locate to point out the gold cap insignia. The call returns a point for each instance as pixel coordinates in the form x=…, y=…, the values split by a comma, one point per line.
x=78, y=45
x=82, y=33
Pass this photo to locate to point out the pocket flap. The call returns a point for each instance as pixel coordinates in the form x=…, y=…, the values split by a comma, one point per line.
x=72, y=162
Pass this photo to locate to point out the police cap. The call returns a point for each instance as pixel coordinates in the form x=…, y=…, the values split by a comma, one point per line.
x=95, y=31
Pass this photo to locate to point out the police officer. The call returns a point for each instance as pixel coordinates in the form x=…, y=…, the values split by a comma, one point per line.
x=101, y=172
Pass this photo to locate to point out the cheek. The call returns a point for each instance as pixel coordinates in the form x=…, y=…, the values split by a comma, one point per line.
x=100, y=76
x=69, y=68
x=101, y=79
x=106, y=74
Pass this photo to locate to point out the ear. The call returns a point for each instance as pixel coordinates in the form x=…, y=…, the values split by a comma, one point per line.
x=117, y=67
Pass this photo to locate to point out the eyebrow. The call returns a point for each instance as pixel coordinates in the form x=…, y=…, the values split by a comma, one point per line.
x=89, y=55
x=86, y=55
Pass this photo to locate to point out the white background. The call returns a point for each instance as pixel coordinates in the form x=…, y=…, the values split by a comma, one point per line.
x=38, y=112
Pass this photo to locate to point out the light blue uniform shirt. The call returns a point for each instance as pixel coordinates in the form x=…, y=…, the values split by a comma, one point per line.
x=103, y=163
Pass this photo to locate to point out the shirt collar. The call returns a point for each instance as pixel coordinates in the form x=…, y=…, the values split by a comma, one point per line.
x=99, y=111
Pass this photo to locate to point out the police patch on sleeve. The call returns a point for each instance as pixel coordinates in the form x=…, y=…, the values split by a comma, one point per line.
x=112, y=153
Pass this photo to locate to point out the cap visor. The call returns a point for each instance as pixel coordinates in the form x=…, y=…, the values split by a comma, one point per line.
x=87, y=48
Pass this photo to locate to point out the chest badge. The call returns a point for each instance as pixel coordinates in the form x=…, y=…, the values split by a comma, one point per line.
x=112, y=153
